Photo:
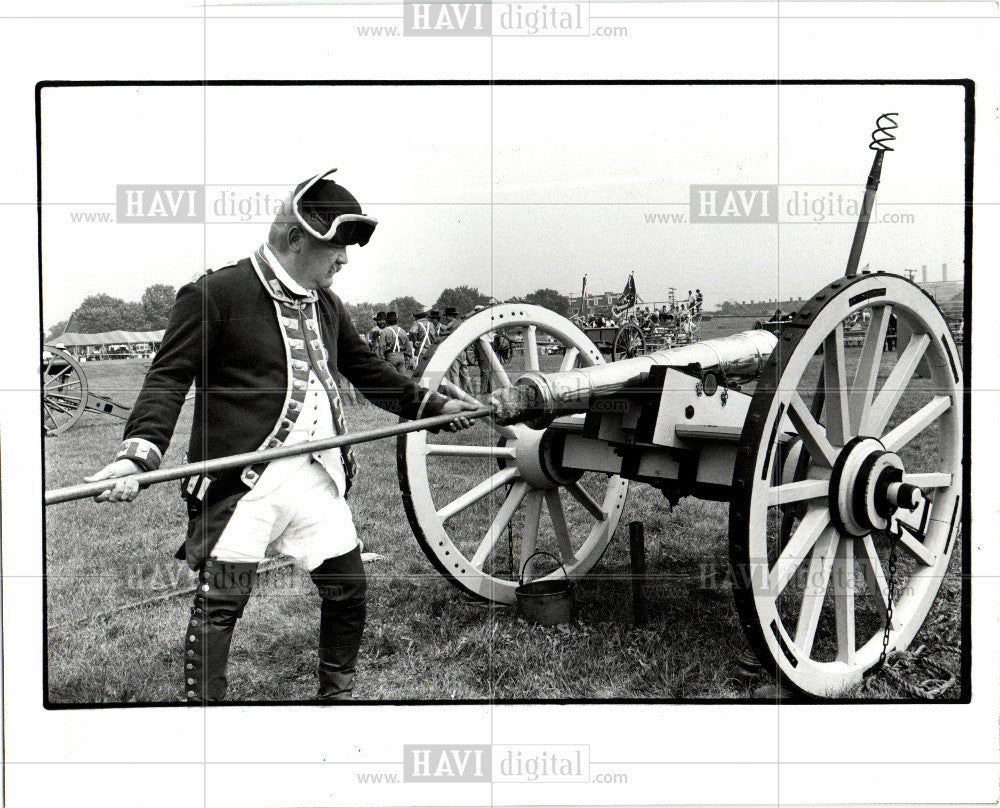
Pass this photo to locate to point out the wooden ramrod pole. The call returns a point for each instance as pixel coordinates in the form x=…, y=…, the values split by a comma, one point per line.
x=85, y=490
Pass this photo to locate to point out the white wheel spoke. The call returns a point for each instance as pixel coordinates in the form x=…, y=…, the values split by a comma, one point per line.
x=455, y=391
x=569, y=359
x=875, y=575
x=895, y=385
x=473, y=495
x=529, y=535
x=843, y=600
x=820, y=566
x=580, y=494
x=928, y=480
x=560, y=527
x=500, y=377
x=464, y=450
x=917, y=549
x=866, y=375
x=838, y=419
x=797, y=491
x=813, y=435
x=500, y=522
x=800, y=543
x=531, y=347
x=916, y=423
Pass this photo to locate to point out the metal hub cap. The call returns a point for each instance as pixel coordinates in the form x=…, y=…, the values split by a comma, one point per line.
x=867, y=488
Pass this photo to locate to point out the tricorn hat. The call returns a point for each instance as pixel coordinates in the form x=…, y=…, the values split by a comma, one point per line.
x=328, y=211
x=450, y=311
x=379, y=315
x=391, y=317
x=434, y=314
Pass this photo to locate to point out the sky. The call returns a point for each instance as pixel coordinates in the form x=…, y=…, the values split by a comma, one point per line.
x=508, y=188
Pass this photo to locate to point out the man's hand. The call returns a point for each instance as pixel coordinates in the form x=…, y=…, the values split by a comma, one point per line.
x=126, y=489
x=509, y=404
x=457, y=406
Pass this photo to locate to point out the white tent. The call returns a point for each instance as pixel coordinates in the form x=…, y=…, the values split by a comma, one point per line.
x=111, y=344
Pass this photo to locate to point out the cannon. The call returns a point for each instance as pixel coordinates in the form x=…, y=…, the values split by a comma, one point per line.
x=66, y=393
x=840, y=457
x=842, y=467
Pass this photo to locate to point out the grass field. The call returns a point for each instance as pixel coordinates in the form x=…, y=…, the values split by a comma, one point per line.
x=425, y=640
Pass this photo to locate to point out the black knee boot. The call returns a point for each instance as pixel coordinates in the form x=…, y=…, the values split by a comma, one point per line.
x=342, y=587
x=223, y=591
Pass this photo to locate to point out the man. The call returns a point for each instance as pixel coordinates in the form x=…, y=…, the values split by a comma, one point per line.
x=458, y=373
x=375, y=334
x=482, y=359
x=422, y=338
x=260, y=340
x=394, y=343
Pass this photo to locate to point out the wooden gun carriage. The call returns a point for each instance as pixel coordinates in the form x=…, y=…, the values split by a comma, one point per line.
x=842, y=467
x=66, y=393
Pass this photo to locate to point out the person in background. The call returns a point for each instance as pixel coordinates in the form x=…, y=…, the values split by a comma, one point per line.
x=458, y=373
x=394, y=343
x=375, y=332
x=421, y=338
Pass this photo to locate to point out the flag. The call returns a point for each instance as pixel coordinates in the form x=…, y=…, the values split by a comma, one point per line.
x=626, y=299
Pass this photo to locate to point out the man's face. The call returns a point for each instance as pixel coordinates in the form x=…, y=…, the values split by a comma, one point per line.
x=316, y=262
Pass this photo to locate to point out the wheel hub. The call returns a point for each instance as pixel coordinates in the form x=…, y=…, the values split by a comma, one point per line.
x=867, y=488
x=537, y=453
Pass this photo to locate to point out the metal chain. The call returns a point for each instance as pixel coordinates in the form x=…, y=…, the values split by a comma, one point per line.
x=510, y=540
x=890, y=592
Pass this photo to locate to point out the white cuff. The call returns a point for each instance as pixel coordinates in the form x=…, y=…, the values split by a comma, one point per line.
x=141, y=452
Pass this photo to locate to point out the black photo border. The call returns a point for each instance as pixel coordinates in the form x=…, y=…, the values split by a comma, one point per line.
x=966, y=525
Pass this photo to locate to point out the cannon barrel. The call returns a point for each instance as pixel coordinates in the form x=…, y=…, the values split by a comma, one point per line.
x=541, y=396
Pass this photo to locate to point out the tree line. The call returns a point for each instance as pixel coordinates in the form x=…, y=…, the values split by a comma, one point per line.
x=103, y=312
x=462, y=298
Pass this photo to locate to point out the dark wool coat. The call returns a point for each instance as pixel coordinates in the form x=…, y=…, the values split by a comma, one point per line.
x=224, y=336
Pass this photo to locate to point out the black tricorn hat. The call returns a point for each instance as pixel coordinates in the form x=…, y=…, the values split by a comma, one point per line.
x=391, y=317
x=450, y=311
x=434, y=314
x=419, y=315
x=379, y=315
x=322, y=204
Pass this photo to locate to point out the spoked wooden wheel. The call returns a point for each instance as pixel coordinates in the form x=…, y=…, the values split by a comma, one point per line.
x=843, y=448
x=480, y=502
x=64, y=390
x=629, y=342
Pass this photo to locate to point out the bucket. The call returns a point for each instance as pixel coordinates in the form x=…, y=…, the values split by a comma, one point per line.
x=545, y=603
